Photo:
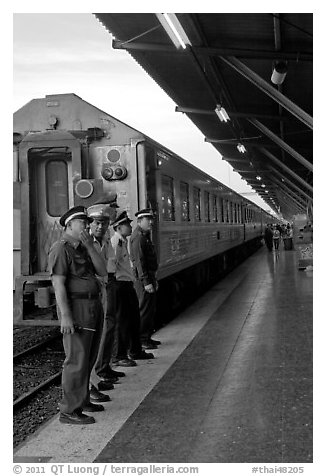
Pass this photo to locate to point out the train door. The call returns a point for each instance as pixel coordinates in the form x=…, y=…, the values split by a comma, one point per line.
x=152, y=192
x=51, y=194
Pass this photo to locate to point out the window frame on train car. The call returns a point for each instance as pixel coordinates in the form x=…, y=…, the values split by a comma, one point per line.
x=168, y=212
x=185, y=210
x=206, y=206
x=196, y=192
x=48, y=189
x=214, y=207
x=227, y=206
x=222, y=209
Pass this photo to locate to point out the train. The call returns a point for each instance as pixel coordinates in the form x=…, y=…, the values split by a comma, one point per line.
x=67, y=152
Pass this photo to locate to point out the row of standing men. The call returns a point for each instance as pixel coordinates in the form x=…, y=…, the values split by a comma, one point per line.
x=105, y=291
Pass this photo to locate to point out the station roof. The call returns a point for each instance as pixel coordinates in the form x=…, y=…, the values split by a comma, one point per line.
x=229, y=62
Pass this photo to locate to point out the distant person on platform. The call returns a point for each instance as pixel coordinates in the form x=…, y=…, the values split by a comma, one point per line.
x=276, y=237
x=74, y=264
x=102, y=212
x=268, y=236
x=145, y=265
x=128, y=347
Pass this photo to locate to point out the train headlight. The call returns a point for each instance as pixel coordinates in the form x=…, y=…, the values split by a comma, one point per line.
x=114, y=172
x=107, y=173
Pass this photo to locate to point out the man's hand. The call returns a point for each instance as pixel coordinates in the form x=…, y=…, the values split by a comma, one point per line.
x=149, y=288
x=86, y=239
x=67, y=325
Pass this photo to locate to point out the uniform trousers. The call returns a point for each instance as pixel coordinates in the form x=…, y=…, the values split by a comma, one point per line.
x=81, y=350
x=128, y=321
x=102, y=366
x=147, y=309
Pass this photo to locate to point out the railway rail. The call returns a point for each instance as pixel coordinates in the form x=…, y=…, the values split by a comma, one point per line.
x=36, y=368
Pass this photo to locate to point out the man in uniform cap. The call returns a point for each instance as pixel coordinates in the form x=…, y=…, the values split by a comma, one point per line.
x=145, y=266
x=74, y=264
x=128, y=318
x=102, y=213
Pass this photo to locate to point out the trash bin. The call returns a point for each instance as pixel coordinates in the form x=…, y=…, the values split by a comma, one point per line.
x=288, y=245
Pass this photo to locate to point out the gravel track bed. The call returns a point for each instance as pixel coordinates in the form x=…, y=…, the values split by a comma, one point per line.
x=29, y=372
x=39, y=410
x=34, y=369
x=24, y=338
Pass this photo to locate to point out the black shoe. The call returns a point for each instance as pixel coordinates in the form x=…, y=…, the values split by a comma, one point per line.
x=155, y=342
x=115, y=373
x=92, y=407
x=148, y=345
x=105, y=385
x=96, y=396
x=125, y=363
x=142, y=356
x=109, y=378
x=76, y=418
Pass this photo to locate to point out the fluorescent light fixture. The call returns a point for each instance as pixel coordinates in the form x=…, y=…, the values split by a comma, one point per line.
x=173, y=28
x=221, y=113
x=241, y=148
x=279, y=72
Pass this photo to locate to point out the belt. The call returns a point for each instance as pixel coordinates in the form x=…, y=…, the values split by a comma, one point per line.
x=84, y=295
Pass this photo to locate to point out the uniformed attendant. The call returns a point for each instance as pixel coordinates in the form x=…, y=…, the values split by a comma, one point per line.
x=128, y=347
x=74, y=264
x=144, y=260
x=102, y=213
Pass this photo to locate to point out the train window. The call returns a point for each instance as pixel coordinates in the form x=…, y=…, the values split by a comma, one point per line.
x=184, y=198
x=56, y=181
x=167, y=198
x=206, y=206
x=197, y=204
x=222, y=210
x=227, y=209
x=215, y=211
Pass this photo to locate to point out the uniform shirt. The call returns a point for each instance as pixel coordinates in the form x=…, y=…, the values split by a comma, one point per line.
x=69, y=258
x=107, y=252
x=124, y=270
x=143, y=256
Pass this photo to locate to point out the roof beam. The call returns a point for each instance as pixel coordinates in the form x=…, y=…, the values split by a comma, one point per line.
x=246, y=142
x=294, y=203
x=212, y=51
x=264, y=86
x=286, y=189
x=280, y=142
x=287, y=169
x=190, y=110
x=293, y=185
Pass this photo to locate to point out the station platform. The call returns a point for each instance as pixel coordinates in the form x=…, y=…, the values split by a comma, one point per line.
x=231, y=382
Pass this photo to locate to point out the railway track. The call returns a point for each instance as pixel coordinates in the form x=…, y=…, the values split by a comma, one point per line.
x=36, y=369
x=26, y=397
x=35, y=348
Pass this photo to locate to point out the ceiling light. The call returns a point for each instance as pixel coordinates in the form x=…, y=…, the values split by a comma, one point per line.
x=221, y=113
x=279, y=72
x=173, y=28
x=241, y=148
x=258, y=177
x=263, y=185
